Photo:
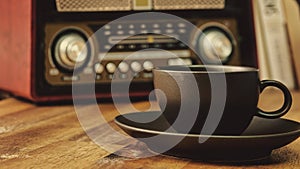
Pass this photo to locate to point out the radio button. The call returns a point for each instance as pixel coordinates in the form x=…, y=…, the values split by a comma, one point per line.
x=131, y=26
x=107, y=27
x=144, y=31
x=111, y=68
x=157, y=31
x=170, y=45
x=144, y=46
x=169, y=31
x=110, y=76
x=120, y=32
x=169, y=25
x=181, y=25
x=136, y=67
x=107, y=47
x=175, y=62
x=132, y=46
x=99, y=68
x=98, y=77
x=148, y=66
x=156, y=26
x=182, y=31
x=123, y=67
x=107, y=33
x=131, y=32
x=54, y=72
x=147, y=75
x=120, y=47
x=188, y=61
x=157, y=45
x=70, y=78
x=182, y=45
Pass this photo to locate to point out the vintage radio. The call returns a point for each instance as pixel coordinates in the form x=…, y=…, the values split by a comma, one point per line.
x=44, y=42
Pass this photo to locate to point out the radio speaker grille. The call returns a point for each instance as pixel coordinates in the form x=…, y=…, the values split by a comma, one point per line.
x=92, y=5
x=188, y=4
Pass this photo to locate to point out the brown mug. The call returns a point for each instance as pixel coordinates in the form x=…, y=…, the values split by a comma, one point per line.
x=220, y=100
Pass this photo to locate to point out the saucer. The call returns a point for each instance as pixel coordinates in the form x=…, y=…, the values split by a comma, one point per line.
x=255, y=143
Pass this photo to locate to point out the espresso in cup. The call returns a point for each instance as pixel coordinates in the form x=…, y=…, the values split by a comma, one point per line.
x=219, y=100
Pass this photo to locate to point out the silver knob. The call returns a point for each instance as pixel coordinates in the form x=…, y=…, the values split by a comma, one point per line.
x=215, y=45
x=71, y=49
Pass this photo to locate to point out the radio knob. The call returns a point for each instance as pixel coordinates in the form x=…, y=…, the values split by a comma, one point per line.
x=71, y=49
x=111, y=68
x=99, y=68
x=148, y=66
x=136, y=67
x=215, y=45
x=123, y=67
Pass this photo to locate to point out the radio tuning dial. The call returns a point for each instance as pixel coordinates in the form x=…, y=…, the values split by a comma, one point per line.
x=214, y=45
x=71, y=50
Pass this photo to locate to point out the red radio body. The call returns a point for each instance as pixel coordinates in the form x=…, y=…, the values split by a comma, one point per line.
x=31, y=31
x=17, y=43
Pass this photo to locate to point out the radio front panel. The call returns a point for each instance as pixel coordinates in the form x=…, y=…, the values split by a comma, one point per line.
x=86, y=39
x=132, y=49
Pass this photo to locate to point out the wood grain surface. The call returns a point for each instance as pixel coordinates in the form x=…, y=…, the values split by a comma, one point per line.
x=33, y=136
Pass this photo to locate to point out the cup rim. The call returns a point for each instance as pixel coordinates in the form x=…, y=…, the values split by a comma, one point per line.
x=221, y=69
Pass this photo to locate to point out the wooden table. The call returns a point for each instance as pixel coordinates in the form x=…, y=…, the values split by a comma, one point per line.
x=34, y=136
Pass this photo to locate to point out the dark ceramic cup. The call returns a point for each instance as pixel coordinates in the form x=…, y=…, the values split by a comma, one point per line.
x=219, y=100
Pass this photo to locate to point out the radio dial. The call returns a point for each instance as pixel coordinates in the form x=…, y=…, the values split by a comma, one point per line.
x=71, y=49
x=215, y=45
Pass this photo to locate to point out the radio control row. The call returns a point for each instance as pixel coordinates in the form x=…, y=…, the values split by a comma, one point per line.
x=157, y=31
x=131, y=47
x=135, y=67
x=124, y=67
x=145, y=26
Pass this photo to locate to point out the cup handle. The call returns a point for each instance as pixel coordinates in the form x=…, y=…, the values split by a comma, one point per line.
x=287, y=100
